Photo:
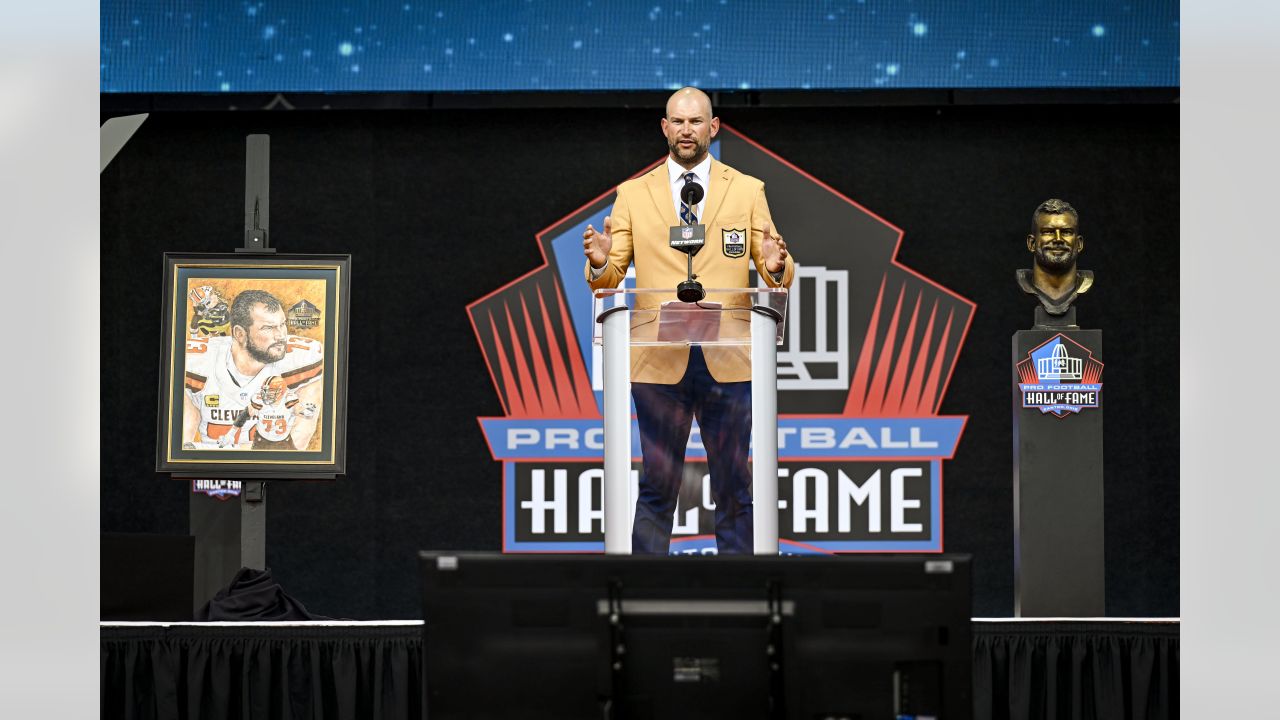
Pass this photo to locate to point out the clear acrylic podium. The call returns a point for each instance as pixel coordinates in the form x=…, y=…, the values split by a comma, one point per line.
x=744, y=317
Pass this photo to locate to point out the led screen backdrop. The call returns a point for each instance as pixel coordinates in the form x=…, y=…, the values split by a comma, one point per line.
x=151, y=46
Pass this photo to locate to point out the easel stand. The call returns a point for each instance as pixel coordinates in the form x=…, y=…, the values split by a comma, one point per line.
x=232, y=533
x=229, y=534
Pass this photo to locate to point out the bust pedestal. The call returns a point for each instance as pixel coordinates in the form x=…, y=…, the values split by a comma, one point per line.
x=1059, y=560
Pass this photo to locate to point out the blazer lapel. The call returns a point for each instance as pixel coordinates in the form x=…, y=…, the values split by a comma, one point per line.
x=721, y=177
x=660, y=192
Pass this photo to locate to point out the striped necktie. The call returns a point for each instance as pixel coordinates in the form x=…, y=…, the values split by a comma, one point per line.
x=687, y=215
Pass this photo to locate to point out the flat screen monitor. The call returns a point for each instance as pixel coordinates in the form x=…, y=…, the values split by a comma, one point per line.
x=592, y=636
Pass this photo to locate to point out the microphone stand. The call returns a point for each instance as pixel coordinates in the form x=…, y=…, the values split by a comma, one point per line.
x=689, y=257
x=690, y=290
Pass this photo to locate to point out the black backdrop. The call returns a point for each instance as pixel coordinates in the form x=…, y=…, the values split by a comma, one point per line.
x=440, y=207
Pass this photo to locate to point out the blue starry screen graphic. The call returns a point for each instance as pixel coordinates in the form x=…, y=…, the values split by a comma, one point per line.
x=520, y=45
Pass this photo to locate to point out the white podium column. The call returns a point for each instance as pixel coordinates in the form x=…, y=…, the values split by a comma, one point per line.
x=764, y=432
x=616, y=351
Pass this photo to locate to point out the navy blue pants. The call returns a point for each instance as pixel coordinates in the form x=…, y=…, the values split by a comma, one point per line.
x=665, y=414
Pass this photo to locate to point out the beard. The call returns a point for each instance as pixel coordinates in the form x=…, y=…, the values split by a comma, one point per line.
x=693, y=154
x=269, y=354
x=1055, y=262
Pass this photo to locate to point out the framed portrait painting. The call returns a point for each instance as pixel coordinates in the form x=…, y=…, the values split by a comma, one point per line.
x=254, y=366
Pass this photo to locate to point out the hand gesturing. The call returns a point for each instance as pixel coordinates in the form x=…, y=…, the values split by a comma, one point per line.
x=596, y=245
x=774, y=250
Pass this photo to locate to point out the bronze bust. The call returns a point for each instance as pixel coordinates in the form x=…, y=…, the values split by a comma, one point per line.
x=1056, y=243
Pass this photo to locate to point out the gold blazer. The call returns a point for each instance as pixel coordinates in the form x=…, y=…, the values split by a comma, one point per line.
x=643, y=214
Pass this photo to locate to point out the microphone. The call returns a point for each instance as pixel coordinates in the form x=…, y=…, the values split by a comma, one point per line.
x=689, y=239
x=692, y=193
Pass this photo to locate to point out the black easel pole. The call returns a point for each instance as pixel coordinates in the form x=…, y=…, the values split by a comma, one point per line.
x=257, y=222
x=227, y=540
x=257, y=194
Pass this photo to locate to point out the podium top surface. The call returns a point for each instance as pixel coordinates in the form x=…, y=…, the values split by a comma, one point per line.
x=754, y=292
x=723, y=317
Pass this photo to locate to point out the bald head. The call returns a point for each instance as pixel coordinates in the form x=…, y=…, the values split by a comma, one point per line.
x=689, y=126
x=689, y=98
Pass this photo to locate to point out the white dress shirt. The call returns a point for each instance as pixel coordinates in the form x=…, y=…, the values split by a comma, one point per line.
x=702, y=176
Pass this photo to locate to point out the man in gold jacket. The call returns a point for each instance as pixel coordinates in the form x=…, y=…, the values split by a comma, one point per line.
x=672, y=385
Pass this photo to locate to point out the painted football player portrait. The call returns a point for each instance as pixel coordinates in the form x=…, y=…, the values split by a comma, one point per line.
x=256, y=387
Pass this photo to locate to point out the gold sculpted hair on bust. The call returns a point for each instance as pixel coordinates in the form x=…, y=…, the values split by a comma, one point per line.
x=1054, y=206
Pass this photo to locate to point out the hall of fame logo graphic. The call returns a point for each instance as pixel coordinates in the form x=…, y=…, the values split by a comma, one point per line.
x=220, y=489
x=1060, y=376
x=734, y=241
x=869, y=348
